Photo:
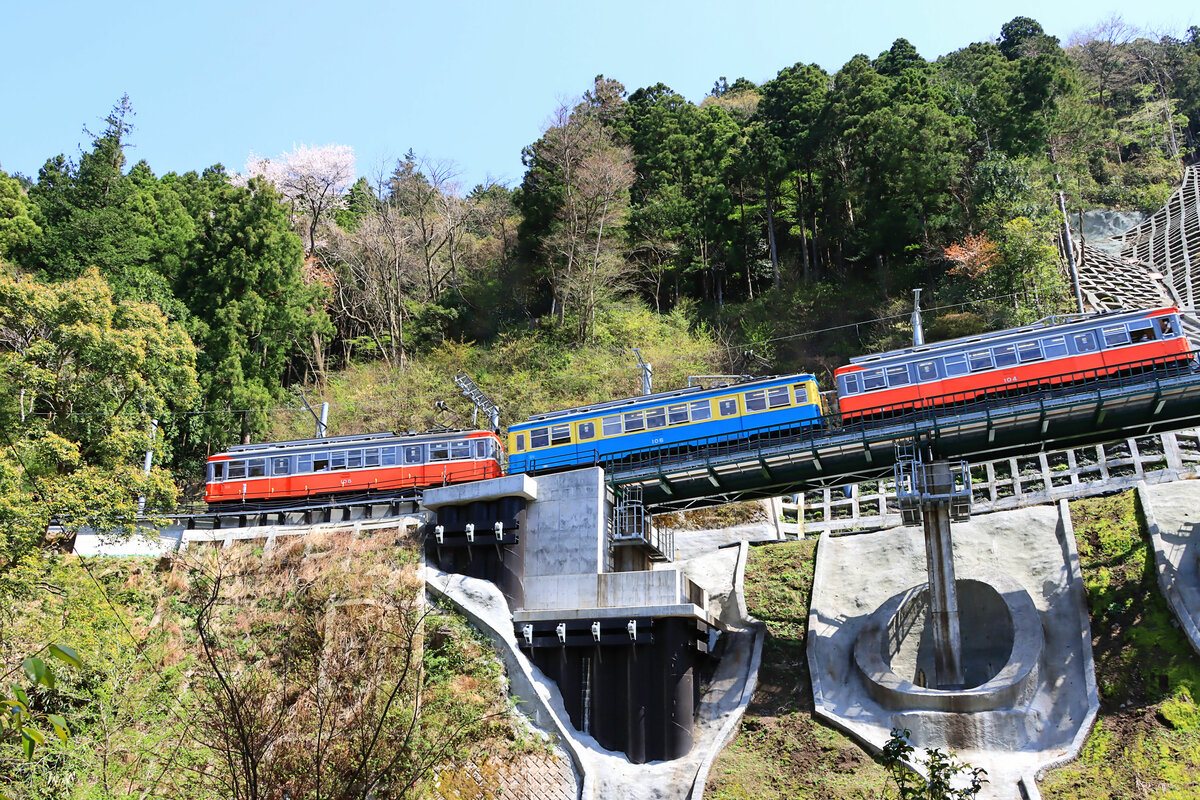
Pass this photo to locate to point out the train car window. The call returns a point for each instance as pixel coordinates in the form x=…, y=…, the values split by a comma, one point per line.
x=414, y=454
x=1115, y=336
x=980, y=360
x=1029, y=351
x=898, y=376
x=218, y=471
x=1055, y=347
x=612, y=426
x=656, y=417
x=727, y=406
x=801, y=393
x=1141, y=331
x=354, y=459
x=777, y=397
x=851, y=384
x=587, y=430
x=560, y=434
x=520, y=446
x=1005, y=355
x=756, y=401
x=635, y=421
x=439, y=451
x=482, y=446
x=304, y=462
x=256, y=467
x=873, y=379
x=237, y=469
x=956, y=365
x=701, y=410
x=337, y=459
x=927, y=371
x=388, y=456
x=371, y=457
x=539, y=437
x=320, y=462
x=1085, y=342
x=677, y=415
x=281, y=465
x=1167, y=327
x=463, y=449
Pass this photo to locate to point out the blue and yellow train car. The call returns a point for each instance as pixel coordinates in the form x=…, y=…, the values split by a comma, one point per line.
x=620, y=429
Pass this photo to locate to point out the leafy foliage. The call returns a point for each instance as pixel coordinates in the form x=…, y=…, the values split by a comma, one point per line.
x=23, y=724
x=941, y=771
x=814, y=200
x=250, y=307
x=81, y=377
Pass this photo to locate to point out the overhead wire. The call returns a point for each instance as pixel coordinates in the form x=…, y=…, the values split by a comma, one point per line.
x=549, y=380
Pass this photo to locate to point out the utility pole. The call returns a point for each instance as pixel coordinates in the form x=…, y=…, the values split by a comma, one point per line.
x=1062, y=207
x=647, y=372
x=918, y=331
x=147, y=462
x=322, y=420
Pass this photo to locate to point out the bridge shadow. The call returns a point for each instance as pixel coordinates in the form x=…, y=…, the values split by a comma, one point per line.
x=1182, y=548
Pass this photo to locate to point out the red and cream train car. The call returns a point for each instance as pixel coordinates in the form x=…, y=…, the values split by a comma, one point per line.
x=1046, y=352
x=350, y=465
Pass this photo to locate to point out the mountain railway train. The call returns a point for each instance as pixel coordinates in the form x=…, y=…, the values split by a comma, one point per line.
x=607, y=432
x=1034, y=356
x=1046, y=354
x=363, y=465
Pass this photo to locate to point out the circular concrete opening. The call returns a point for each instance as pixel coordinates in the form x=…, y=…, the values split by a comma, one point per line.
x=986, y=629
x=1002, y=642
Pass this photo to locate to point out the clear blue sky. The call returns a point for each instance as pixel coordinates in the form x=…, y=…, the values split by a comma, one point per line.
x=472, y=82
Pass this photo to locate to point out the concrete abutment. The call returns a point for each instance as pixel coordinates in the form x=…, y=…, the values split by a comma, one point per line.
x=627, y=645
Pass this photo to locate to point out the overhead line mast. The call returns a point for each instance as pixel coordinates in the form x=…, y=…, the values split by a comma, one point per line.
x=482, y=401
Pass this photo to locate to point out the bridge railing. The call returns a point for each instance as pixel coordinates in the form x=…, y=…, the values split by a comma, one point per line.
x=1007, y=483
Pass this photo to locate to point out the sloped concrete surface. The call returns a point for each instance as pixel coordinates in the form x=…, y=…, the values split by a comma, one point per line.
x=1172, y=514
x=604, y=774
x=1034, y=547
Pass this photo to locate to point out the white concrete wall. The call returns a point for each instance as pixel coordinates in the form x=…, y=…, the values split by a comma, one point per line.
x=650, y=588
x=565, y=527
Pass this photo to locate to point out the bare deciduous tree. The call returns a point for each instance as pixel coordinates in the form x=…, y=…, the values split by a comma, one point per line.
x=381, y=269
x=419, y=188
x=595, y=175
x=324, y=692
x=1100, y=53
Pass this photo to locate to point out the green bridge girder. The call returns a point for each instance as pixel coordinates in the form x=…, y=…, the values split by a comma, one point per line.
x=832, y=455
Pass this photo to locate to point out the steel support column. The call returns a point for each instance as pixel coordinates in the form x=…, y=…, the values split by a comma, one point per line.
x=939, y=564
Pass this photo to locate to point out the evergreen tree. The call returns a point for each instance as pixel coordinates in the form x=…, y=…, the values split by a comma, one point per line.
x=252, y=313
x=93, y=214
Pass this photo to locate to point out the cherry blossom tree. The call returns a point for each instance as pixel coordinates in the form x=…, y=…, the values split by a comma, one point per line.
x=314, y=179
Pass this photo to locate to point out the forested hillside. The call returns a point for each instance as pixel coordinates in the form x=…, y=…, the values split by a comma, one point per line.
x=766, y=228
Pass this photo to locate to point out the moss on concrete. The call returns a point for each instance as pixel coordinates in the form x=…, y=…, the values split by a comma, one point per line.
x=782, y=751
x=1146, y=742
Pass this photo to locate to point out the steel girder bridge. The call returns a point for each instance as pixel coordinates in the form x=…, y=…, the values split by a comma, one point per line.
x=1074, y=409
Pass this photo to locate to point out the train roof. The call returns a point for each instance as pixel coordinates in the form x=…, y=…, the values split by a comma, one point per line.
x=1066, y=323
x=686, y=393
x=352, y=439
